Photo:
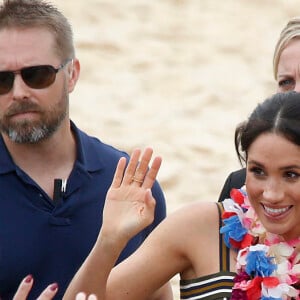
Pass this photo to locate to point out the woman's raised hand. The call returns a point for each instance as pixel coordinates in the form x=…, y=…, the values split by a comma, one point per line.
x=129, y=205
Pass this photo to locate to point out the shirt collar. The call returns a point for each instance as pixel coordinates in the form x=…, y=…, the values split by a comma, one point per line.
x=88, y=153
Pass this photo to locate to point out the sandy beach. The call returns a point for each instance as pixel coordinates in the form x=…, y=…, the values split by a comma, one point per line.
x=177, y=75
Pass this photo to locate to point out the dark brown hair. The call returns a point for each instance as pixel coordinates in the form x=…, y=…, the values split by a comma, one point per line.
x=279, y=114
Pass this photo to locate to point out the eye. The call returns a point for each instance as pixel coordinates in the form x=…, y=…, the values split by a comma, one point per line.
x=291, y=175
x=286, y=84
x=256, y=171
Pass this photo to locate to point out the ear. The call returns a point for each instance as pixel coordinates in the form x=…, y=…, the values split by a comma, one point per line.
x=73, y=74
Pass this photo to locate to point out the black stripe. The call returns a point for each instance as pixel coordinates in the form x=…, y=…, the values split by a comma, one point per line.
x=224, y=252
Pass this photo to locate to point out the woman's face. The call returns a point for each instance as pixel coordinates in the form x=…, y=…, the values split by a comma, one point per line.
x=273, y=183
x=288, y=75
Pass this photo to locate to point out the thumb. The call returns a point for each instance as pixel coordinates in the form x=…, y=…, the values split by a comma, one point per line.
x=150, y=201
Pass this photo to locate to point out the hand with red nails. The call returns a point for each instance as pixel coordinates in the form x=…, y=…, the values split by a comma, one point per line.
x=48, y=293
x=26, y=285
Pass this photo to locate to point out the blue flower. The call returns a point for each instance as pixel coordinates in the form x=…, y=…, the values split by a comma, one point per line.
x=259, y=264
x=233, y=229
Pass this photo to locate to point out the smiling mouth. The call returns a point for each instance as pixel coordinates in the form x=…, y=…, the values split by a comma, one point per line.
x=275, y=212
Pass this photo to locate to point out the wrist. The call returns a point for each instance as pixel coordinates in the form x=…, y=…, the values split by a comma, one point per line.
x=111, y=242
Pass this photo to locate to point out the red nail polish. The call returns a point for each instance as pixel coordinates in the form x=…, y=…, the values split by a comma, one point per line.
x=28, y=278
x=54, y=286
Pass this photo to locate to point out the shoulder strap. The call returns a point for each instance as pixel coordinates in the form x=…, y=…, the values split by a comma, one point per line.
x=224, y=252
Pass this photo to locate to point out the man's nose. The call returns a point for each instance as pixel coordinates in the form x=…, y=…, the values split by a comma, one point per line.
x=297, y=85
x=19, y=90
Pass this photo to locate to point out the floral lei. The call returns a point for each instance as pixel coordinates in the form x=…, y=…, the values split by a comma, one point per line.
x=268, y=268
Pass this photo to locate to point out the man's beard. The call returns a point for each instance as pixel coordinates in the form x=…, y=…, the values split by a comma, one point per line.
x=32, y=132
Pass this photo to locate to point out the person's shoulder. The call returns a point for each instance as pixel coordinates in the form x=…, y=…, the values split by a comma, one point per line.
x=95, y=145
x=108, y=149
x=236, y=179
x=241, y=173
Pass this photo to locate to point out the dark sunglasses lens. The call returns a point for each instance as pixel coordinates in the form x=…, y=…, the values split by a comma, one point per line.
x=38, y=77
x=6, y=82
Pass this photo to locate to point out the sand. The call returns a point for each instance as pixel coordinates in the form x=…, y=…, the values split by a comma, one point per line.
x=177, y=75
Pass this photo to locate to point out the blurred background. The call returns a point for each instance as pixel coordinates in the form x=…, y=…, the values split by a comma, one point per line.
x=177, y=75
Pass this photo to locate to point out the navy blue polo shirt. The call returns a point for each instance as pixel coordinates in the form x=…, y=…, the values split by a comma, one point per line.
x=51, y=240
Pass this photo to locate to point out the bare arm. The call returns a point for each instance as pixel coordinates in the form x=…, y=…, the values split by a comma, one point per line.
x=167, y=251
x=164, y=293
x=128, y=209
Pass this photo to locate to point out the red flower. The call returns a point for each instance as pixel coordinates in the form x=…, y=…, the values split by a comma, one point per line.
x=247, y=241
x=237, y=196
x=227, y=214
x=235, y=244
x=271, y=282
x=254, y=290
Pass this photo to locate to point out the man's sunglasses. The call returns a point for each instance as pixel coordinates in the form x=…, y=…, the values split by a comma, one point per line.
x=36, y=77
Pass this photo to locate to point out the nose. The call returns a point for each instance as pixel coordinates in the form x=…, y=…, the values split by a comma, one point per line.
x=297, y=84
x=273, y=192
x=19, y=90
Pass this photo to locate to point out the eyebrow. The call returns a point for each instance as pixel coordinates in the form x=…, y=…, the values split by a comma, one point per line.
x=284, y=75
x=254, y=162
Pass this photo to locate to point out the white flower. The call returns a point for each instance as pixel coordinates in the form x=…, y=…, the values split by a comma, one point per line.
x=230, y=206
x=241, y=258
x=259, y=247
x=281, y=291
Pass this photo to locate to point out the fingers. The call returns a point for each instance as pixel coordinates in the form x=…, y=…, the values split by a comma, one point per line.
x=152, y=173
x=132, y=165
x=49, y=292
x=26, y=285
x=82, y=296
x=137, y=172
x=141, y=170
x=118, y=177
x=24, y=288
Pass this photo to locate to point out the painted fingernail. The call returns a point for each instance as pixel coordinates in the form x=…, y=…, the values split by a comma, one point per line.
x=28, y=278
x=54, y=286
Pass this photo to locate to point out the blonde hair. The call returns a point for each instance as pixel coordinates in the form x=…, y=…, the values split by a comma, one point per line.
x=289, y=32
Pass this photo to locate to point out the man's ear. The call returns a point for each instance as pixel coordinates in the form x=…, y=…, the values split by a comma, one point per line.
x=74, y=71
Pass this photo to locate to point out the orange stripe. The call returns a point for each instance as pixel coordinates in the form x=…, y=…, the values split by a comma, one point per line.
x=206, y=289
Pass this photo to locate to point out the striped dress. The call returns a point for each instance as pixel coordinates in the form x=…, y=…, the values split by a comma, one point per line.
x=215, y=286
